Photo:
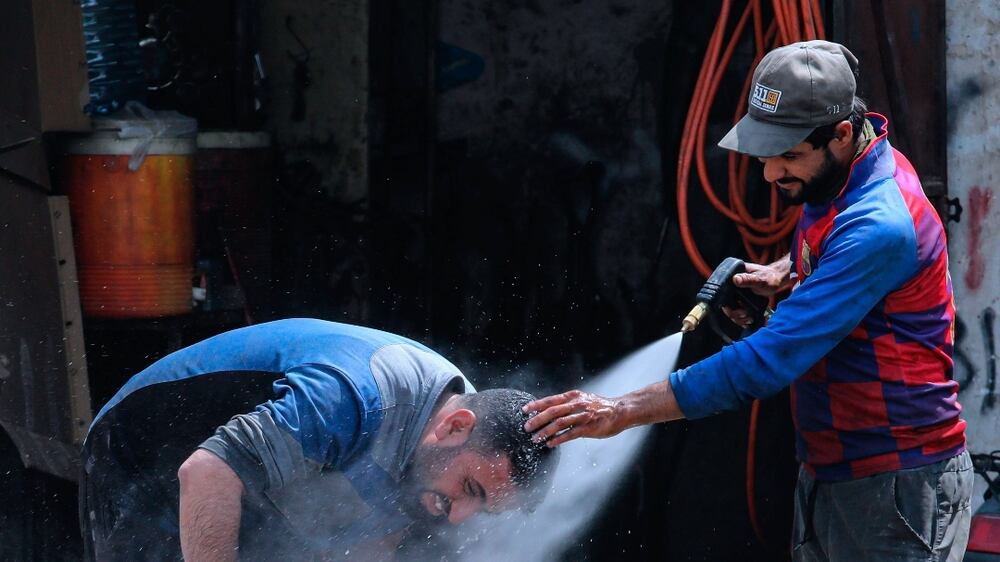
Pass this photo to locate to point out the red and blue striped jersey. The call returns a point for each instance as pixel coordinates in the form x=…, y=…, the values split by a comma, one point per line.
x=865, y=339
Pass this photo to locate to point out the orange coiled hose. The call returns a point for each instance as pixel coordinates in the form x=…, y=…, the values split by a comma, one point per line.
x=764, y=238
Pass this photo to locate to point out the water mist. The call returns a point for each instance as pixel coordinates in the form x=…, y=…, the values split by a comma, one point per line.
x=588, y=472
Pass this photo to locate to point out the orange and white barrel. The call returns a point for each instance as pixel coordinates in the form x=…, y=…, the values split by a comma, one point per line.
x=133, y=231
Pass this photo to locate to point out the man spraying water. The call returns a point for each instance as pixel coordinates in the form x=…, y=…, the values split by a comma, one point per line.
x=864, y=340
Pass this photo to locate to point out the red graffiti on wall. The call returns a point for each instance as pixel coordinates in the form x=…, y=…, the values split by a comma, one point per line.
x=979, y=207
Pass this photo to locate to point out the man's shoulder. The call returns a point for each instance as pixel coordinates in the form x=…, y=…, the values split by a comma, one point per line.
x=407, y=374
x=875, y=227
x=879, y=208
x=410, y=382
x=287, y=344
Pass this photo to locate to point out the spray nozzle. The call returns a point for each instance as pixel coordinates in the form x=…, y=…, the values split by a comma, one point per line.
x=694, y=317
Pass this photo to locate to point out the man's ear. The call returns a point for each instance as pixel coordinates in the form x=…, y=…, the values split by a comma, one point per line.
x=843, y=134
x=454, y=429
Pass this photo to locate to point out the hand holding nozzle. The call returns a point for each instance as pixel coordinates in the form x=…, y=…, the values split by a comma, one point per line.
x=720, y=291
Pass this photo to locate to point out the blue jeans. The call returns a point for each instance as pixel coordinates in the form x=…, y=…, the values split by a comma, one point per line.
x=917, y=514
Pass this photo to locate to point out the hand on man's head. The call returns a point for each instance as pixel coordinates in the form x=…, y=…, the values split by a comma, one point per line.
x=571, y=415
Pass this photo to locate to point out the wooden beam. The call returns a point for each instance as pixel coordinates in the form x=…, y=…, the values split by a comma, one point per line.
x=75, y=352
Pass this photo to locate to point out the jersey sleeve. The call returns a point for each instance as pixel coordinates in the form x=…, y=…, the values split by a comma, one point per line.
x=865, y=257
x=264, y=456
x=316, y=419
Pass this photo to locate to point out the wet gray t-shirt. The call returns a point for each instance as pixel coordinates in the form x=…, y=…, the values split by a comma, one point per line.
x=331, y=499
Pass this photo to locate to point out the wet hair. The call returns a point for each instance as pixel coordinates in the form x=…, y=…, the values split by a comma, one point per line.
x=499, y=429
x=823, y=134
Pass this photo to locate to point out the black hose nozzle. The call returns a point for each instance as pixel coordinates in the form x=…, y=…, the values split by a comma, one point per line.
x=719, y=291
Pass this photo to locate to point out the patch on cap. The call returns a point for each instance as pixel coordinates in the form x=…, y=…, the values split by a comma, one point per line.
x=764, y=98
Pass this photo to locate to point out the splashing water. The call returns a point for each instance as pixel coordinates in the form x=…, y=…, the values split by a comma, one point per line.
x=588, y=472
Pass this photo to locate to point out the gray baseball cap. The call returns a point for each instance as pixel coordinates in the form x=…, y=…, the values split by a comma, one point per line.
x=795, y=89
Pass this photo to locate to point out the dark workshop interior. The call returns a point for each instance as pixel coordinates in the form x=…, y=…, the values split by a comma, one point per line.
x=497, y=179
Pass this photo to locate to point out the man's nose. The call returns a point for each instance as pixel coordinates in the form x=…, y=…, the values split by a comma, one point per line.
x=773, y=170
x=462, y=510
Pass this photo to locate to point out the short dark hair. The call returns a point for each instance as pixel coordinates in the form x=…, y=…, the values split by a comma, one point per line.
x=824, y=133
x=499, y=429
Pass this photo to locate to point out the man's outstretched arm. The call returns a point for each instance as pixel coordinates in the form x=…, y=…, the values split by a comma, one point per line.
x=581, y=414
x=210, y=507
x=567, y=416
x=811, y=322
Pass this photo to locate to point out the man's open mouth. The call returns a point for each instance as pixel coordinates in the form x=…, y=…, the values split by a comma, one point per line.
x=436, y=504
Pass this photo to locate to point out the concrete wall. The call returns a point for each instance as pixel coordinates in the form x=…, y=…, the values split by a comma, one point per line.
x=556, y=61
x=973, y=48
x=333, y=133
x=552, y=153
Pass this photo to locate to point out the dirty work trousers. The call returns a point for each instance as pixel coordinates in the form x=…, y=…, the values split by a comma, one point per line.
x=918, y=514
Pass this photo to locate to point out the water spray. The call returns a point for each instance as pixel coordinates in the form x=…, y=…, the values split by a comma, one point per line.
x=589, y=472
x=591, y=469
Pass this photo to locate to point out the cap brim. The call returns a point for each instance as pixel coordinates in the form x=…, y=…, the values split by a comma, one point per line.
x=758, y=138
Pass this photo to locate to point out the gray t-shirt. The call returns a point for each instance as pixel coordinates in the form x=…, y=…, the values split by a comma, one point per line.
x=355, y=500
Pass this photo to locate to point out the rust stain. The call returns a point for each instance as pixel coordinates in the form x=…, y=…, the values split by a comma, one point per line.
x=979, y=207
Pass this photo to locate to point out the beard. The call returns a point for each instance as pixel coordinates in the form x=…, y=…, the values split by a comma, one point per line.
x=823, y=187
x=418, y=481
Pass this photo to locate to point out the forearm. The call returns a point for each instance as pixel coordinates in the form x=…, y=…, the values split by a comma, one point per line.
x=563, y=417
x=652, y=404
x=210, y=505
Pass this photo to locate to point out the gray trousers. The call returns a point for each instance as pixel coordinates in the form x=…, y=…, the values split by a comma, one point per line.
x=907, y=515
